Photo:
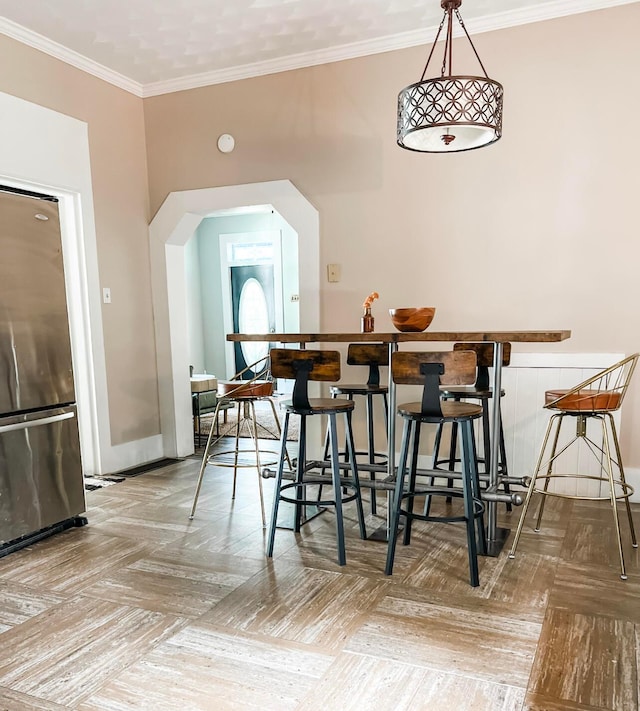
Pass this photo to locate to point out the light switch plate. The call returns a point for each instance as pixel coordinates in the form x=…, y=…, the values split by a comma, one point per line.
x=333, y=273
x=106, y=295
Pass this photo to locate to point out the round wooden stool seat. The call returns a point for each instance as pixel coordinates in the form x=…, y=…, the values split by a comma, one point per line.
x=359, y=389
x=450, y=410
x=471, y=391
x=323, y=406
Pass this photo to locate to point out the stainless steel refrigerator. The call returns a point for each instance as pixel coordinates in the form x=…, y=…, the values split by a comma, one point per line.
x=41, y=481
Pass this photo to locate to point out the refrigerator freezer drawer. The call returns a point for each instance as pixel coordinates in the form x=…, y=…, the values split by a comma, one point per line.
x=41, y=482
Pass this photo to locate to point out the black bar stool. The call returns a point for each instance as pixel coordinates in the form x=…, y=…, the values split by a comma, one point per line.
x=372, y=355
x=481, y=391
x=305, y=366
x=430, y=369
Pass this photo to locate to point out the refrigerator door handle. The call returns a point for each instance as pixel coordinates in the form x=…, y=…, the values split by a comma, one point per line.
x=36, y=423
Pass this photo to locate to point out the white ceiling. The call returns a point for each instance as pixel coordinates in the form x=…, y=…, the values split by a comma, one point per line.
x=155, y=46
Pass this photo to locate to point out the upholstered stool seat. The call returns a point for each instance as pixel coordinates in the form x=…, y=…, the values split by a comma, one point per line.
x=582, y=400
x=253, y=389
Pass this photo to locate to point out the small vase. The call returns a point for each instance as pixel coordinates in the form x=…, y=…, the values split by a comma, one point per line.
x=366, y=322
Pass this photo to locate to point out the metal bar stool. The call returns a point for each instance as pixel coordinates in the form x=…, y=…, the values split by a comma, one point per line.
x=372, y=355
x=429, y=370
x=594, y=399
x=481, y=391
x=243, y=394
x=305, y=366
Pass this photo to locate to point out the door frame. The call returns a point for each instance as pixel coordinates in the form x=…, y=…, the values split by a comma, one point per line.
x=225, y=280
x=169, y=231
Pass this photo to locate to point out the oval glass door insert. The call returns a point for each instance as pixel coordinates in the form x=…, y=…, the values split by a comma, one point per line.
x=253, y=317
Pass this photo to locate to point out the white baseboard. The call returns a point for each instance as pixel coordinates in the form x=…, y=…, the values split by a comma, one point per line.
x=632, y=475
x=132, y=454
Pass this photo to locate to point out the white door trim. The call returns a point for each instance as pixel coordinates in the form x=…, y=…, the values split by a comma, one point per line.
x=48, y=152
x=272, y=236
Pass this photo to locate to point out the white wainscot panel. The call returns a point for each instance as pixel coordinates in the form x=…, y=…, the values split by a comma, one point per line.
x=525, y=419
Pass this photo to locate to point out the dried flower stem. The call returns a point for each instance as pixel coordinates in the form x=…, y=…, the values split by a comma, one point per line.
x=370, y=299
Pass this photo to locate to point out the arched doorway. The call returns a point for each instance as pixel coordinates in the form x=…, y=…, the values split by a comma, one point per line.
x=170, y=229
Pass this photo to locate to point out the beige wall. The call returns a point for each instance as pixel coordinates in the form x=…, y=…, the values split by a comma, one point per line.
x=537, y=231
x=119, y=175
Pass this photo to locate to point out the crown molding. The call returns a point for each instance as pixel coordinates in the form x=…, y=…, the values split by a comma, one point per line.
x=538, y=12
x=53, y=49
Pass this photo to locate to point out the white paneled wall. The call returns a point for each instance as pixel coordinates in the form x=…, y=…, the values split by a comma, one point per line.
x=525, y=419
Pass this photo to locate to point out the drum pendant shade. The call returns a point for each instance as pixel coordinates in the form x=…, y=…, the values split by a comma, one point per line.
x=449, y=114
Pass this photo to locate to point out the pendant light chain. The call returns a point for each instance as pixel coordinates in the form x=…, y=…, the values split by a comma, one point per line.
x=448, y=47
x=433, y=46
x=473, y=47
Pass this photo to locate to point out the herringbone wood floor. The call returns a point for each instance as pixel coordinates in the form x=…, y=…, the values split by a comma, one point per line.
x=144, y=609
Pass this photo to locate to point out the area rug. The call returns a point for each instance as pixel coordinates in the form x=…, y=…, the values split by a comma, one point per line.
x=264, y=423
x=91, y=483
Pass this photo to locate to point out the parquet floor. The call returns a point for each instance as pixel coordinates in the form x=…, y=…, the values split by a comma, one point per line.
x=143, y=609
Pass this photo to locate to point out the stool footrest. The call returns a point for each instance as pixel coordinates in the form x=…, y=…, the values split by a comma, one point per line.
x=480, y=460
x=382, y=456
x=313, y=479
x=478, y=510
x=627, y=492
x=315, y=502
x=386, y=484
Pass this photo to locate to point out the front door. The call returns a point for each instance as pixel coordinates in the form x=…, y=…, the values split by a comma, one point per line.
x=253, y=307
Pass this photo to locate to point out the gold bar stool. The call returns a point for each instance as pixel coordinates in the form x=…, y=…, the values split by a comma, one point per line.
x=429, y=370
x=243, y=394
x=594, y=399
x=305, y=366
x=371, y=355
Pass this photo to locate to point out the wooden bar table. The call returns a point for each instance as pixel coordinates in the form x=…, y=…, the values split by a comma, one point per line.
x=495, y=536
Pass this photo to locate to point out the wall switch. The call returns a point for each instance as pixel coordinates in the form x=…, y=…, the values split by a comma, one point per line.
x=106, y=295
x=333, y=272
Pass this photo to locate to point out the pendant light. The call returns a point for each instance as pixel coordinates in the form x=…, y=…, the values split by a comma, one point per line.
x=450, y=113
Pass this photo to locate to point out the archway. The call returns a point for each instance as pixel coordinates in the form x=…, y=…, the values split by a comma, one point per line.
x=170, y=229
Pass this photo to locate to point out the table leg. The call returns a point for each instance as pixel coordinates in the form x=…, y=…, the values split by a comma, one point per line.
x=391, y=423
x=496, y=537
x=382, y=533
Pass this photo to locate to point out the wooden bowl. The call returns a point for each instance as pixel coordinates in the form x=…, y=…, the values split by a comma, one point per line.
x=412, y=319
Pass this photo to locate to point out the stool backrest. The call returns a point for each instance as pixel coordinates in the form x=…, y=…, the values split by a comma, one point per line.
x=484, y=354
x=245, y=385
x=432, y=369
x=372, y=354
x=603, y=392
x=304, y=365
